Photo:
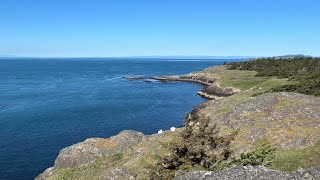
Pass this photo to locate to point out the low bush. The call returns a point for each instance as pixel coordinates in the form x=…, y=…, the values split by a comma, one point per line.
x=263, y=155
x=200, y=147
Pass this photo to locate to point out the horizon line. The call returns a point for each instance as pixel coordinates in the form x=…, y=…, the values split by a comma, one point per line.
x=137, y=56
x=152, y=57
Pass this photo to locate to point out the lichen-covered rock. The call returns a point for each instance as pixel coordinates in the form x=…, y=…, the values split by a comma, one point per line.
x=118, y=173
x=84, y=153
x=287, y=120
x=251, y=173
x=309, y=174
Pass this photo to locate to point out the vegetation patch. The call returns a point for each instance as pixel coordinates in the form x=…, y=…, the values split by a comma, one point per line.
x=263, y=155
x=290, y=160
x=305, y=71
x=242, y=80
x=222, y=111
x=256, y=115
x=282, y=103
x=200, y=148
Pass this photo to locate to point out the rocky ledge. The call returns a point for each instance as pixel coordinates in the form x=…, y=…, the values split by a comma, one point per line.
x=208, y=78
x=85, y=153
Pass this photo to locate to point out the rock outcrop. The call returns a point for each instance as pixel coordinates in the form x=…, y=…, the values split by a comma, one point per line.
x=251, y=173
x=208, y=78
x=288, y=120
x=87, y=152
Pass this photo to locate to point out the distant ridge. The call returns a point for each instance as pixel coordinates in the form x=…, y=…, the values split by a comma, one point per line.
x=293, y=56
x=194, y=57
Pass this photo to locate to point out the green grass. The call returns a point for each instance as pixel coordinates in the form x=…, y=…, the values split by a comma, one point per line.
x=242, y=80
x=248, y=81
x=306, y=70
x=94, y=170
x=251, y=85
x=290, y=160
x=222, y=110
x=136, y=164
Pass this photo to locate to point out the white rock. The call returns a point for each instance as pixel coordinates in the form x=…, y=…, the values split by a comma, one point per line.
x=173, y=129
x=160, y=131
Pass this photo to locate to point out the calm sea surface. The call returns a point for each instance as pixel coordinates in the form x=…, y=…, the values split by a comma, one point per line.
x=48, y=104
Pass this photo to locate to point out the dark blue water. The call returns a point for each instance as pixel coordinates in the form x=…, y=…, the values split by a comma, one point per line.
x=48, y=104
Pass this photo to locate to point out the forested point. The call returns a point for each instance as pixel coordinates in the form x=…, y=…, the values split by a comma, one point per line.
x=305, y=71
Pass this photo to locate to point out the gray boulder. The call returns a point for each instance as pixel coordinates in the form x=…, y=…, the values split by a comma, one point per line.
x=251, y=173
x=84, y=153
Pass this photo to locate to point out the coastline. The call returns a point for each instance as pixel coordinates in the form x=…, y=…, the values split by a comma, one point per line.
x=62, y=159
x=211, y=88
x=228, y=107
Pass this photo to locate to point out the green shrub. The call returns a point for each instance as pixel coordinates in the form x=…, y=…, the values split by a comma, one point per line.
x=200, y=147
x=263, y=155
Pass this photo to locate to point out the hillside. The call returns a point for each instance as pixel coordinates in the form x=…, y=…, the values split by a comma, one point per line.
x=304, y=71
x=247, y=123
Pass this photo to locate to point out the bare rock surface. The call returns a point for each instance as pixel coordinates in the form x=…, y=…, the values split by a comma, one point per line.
x=251, y=173
x=208, y=78
x=288, y=120
x=84, y=153
x=134, y=77
x=118, y=173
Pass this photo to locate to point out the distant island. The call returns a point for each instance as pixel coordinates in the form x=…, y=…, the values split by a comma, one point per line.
x=293, y=56
x=173, y=57
x=261, y=119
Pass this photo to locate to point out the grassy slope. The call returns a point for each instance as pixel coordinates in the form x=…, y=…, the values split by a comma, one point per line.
x=250, y=85
x=304, y=70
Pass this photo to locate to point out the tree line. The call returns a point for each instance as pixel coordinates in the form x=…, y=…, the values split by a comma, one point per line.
x=304, y=70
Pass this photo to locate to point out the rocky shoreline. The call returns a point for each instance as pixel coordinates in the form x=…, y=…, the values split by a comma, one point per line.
x=236, y=100
x=212, y=90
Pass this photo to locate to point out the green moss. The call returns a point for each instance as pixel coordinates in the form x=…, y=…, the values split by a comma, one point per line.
x=282, y=103
x=94, y=170
x=117, y=157
x=224, y=130
x=222, y=110
x=263, y=154
x=290, y=160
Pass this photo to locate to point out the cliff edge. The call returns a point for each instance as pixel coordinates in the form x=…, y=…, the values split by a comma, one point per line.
x=237, y=100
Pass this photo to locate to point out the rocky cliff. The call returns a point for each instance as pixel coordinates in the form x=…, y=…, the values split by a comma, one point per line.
x=237, y=100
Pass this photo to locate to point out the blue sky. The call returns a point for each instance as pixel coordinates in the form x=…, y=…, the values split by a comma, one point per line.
x=104, y=28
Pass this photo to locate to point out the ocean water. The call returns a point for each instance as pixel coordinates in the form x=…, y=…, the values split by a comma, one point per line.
x=48, y=104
